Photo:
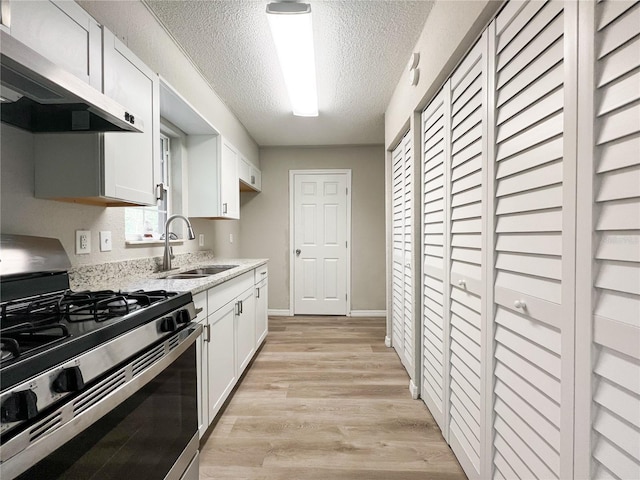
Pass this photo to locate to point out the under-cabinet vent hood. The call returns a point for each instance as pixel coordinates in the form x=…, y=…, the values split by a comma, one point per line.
x=39, y=96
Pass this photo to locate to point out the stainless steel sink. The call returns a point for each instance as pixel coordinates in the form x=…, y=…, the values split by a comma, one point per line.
x=209, y=270
x=183, y=276
x=201, y=272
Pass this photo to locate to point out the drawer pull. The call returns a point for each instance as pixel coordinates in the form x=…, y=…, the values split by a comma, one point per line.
x=462, y=283
x=521, y=304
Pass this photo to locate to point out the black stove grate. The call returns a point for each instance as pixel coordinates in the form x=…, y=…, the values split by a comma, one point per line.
x=37, y=323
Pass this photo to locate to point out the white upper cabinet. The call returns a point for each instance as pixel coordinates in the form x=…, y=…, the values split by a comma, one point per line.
x=213, y=177
x=229, y=192
x=250, y=177
x=61, y=31
x=110, y=169
x=131, y=169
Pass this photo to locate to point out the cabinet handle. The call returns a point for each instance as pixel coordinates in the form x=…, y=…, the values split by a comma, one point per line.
x=253, y=179
x=462, y=283
x=238, y=308
x=241, y=307
x=258, y=292
x=224, y=208
x=207, y=329
x=520, y=304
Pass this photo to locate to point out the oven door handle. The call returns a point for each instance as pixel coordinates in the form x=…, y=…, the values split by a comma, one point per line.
x=33, y=451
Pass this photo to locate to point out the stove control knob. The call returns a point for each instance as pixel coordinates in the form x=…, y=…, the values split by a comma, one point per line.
x=184, y=316
x=68, y=380
x=168, y=324
x=19, y=406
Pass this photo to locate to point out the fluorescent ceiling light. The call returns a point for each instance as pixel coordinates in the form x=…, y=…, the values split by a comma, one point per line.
x=293, y=35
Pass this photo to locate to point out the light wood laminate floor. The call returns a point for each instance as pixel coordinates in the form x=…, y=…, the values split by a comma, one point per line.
x=326, y=400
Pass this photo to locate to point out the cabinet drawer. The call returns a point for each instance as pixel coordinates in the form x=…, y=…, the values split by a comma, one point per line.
x=200, y=301
x=222, y=294
x=260, y=274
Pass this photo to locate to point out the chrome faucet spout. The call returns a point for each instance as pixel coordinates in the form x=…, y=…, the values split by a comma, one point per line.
x=166, y=260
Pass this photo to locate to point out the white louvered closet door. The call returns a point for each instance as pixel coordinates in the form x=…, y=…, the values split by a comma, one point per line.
x=434, y=252
x=467, y=121
x=402, y=225
x=615, y=382
x=397, y=283
x=408, y=212
x=534, y=257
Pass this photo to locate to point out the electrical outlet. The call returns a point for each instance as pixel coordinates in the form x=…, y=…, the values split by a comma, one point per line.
x=231, y=238
x=83, y=242
x=105, y=241
x=201, y=240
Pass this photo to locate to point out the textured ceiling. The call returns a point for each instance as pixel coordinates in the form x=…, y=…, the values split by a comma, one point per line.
x=362, y=47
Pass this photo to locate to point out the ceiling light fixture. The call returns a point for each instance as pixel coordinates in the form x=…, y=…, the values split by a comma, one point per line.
x=292, y=33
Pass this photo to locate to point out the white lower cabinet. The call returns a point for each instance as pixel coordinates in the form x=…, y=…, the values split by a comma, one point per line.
x=230, y=316
x=221, y=361
x=261, y=289
x=245, y=324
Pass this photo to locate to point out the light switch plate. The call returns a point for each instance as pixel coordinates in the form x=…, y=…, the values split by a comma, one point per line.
x=105, y=241
x=83, y=242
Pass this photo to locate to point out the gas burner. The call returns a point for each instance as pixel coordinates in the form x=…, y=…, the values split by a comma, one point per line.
x=122, y=306
x=23, y=338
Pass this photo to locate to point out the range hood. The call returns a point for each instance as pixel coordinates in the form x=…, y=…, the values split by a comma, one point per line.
x=39, y=96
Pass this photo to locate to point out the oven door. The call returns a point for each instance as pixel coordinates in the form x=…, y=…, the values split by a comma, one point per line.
x=146, y=428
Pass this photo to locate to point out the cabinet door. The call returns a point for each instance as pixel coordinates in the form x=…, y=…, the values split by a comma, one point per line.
x=262, y=319
x=221, y=357
x=60, y=31
x=131, y=161
x=229, y=188
x=245, y=319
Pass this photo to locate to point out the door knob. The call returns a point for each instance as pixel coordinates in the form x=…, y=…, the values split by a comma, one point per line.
x=298, y=252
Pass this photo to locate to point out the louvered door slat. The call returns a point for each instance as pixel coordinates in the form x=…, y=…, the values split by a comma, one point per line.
x=529, y=214
x=466, y=193
x=616, y=324
x=434, y=164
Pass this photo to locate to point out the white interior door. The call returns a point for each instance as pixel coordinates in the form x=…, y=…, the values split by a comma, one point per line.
x=320, y=243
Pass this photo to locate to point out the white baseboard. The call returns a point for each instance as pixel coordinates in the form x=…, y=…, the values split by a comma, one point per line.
x=279, y=312
x=387, y=342
x=413, y=388
x=368, y=313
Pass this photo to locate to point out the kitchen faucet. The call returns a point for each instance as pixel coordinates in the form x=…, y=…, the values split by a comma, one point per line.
x=168, y=251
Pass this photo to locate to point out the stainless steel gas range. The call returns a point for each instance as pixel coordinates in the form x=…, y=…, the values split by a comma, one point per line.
x=93, y=385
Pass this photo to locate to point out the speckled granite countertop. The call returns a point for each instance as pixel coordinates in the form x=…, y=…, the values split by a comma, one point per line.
x=144, y=273
x=196, y=285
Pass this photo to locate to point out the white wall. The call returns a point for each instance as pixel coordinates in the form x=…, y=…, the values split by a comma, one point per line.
x=264, y=223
